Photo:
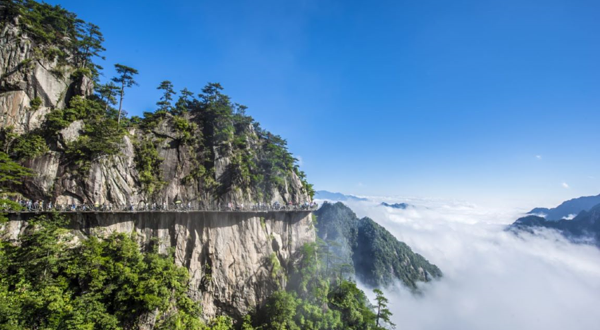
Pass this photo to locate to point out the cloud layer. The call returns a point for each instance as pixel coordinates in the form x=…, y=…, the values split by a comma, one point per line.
x=492, y=279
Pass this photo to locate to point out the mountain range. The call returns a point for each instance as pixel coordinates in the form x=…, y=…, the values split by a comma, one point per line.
x=567, y=209
x=583, y=228
x=336, y=196
x=400, y=206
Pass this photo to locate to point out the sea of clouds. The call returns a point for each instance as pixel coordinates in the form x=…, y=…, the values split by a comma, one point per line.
x=493, y=279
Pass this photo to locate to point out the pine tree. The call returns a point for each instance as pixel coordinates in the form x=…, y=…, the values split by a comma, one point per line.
x=125, y=79
x=89, y=44
x=383, y=313
x=165, y=100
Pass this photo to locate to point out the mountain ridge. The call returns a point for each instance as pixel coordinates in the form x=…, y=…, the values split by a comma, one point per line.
x=336, y=196
x=568, y=208
x=377, y=258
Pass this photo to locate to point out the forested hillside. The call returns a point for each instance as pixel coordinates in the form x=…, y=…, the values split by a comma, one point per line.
x=365, y=248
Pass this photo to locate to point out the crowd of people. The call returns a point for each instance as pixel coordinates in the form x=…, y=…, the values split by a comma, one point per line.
x=46, y=206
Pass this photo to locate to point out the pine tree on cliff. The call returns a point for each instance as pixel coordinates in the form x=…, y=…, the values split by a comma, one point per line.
x=166, y=100
x=383, y=312
x=89, y=44
x=125, y=79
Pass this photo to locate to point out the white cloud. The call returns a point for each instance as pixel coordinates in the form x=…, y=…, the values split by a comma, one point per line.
x=539, y=157
x=565, y=185
x=300, y=161
x=492, y=279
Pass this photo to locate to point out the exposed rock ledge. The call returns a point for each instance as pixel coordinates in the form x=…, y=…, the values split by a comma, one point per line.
x=233, y=248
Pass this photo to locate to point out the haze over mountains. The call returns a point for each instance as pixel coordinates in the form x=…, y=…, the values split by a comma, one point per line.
x=335, y=196
x=577, y=219
x=567, y=209
x=493, y=279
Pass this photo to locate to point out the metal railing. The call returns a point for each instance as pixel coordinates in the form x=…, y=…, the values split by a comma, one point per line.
x=29, y=206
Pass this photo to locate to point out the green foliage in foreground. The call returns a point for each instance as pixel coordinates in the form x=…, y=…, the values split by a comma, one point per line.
x=317, y=298
x=49, y=282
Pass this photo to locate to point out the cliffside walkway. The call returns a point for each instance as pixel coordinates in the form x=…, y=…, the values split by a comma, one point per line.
x=85, y=208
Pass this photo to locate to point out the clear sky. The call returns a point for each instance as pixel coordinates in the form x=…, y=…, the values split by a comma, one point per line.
x=479, y=100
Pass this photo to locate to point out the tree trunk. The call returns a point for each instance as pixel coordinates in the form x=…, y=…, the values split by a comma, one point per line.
x=120, y=103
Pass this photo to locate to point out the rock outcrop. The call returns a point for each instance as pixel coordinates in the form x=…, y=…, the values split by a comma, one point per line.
x=26, y=75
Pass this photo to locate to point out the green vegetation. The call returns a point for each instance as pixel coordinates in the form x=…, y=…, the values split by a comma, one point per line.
x=383, y=312
x=35, y=103
x=28, y=146
x=11, y=175
x=54, y=280
x=124, y=79
x=316, y=299
x=50, y=282
x=378, y=258
x=100, y=134
x=206, y=127
x=58, y=33
x=148, y=165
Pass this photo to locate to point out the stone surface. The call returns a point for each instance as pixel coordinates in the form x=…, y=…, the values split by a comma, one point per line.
x=227, y=254
x=71, y=132
x=26, y=76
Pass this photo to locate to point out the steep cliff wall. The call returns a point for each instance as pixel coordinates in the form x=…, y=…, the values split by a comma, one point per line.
x=228, y=255
x=203, y=150
x=27, y=75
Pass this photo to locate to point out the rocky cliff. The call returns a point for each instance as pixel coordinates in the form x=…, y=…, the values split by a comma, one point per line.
x=229, y=255
x=204, y=150
x=33, y=81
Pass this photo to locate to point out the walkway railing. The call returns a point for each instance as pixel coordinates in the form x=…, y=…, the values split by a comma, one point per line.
x=41, y=207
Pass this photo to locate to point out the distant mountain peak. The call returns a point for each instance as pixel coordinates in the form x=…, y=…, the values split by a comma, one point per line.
x=585, y=227
x=400, y=206
x=336, y=196
x=567, y=209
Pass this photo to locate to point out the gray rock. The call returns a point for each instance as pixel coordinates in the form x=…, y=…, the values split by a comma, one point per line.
x=227, y=254
x=71, y=132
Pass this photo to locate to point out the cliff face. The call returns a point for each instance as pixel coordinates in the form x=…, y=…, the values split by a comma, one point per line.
x=228, y=255
x=206, y=152
x=206, y=163
x=115, y=179
x=27, y=75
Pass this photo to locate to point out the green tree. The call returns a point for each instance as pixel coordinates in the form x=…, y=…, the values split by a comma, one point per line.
x=48, y=282
x=281, y=309
x=165, y=100
x=383, y=312
x=89, y=44
x=183, y=103
x=11, y=173
x=107, y=93
x=124, y=79
x=352, y=303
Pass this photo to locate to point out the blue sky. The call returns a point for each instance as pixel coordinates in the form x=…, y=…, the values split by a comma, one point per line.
x=492, y=101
